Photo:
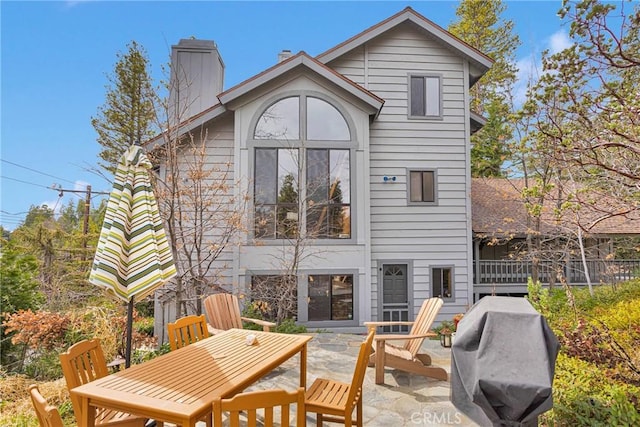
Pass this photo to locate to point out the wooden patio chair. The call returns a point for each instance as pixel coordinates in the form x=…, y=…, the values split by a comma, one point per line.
x=223, y=313
x=187, y=330
x=334, y=401
x=263, y=402
x=407, y=357
x=48, y=416
x=82, y=363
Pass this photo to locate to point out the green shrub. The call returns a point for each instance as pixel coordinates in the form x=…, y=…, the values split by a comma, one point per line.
x=607, y=295
x=584, y=395
x=44, y=367
x=145, y=326
x=289, y=326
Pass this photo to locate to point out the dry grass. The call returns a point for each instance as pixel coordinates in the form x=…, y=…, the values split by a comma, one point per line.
x=17, y=410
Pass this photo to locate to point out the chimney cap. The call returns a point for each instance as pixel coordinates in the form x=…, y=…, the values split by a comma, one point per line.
x=193, y=43
x=284, y=54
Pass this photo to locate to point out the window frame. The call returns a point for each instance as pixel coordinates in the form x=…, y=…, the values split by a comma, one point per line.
x=424, y=77
x=435, y=187
x=303, y=295
x=453, y=282
x=303, y=145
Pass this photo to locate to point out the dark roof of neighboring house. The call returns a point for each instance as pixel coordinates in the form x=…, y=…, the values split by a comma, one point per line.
x=498, y=209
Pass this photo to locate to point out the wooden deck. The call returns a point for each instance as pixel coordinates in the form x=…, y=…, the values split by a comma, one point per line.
x=509, y=277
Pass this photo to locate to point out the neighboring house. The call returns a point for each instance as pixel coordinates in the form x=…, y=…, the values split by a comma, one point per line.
x=380, y=128
x=502, y=260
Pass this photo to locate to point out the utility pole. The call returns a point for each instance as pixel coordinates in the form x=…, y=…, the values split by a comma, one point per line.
x=85, y=229
x=87, y=210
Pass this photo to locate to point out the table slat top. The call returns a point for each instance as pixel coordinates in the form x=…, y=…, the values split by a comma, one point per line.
x=186, y=381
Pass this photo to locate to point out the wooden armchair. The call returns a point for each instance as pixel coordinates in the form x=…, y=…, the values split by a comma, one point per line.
x=407, y=358
x=251, y=403
x=84, y=362
x=48, y=416
x=187, y=330
x=334, y=401
x=223, y=313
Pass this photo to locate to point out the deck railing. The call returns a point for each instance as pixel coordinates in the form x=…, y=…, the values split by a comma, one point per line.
x=513, y=272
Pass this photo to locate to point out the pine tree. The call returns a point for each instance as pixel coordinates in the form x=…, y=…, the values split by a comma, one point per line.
x=127, y=115
x=480, y=25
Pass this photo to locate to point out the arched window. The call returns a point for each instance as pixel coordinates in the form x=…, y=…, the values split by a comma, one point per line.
x=324, y=122
x=281, y=121
x=303, y=188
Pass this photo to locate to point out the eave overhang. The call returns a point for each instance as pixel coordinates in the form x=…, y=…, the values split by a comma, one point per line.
x=479, y=62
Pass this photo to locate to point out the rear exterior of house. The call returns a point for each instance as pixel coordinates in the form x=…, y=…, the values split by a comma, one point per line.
x=356, y=161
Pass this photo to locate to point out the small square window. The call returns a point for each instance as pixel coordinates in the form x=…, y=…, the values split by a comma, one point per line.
x=425, y=96
x=442, y=282
x=422, y=186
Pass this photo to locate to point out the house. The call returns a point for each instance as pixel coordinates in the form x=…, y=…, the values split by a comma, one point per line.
x=502, y=260
x=371, y=142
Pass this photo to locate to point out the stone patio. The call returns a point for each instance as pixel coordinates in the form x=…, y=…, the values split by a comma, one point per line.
x=404, y=400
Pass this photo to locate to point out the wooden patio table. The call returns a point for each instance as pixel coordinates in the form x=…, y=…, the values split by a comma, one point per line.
x=179, y=387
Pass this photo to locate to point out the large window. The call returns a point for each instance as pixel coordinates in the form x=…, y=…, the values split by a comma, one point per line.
x=312, y=174
x=276, y=193
x=330, y=297
x=273, y=293
x=328, y=194
x=442, y=282
x=425, y=96
x=422, y=186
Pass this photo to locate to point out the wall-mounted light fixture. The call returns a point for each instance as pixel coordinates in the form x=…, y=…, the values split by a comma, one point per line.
x=389, y=178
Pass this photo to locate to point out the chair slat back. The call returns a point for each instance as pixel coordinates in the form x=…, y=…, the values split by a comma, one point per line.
x=223, y=311
x=264, y=402
x=355, y=391
x=82, y=363
x=48, y=416
x=187, y=330
x=425, y=318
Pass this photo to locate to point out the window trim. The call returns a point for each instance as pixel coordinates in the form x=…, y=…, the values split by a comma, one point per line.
x=302, y=145
x=303, y=294
x=452, y=298
x=412, y=116
x=435, y=187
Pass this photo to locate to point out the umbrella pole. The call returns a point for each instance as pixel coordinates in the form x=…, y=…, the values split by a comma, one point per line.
x=127, y=356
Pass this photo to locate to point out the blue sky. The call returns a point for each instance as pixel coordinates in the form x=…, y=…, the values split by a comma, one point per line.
x=56, y=55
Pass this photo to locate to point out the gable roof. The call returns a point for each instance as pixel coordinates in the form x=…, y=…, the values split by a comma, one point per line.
x=302, y=60
x=481, y=61
x=299, y=61
x=498, y=209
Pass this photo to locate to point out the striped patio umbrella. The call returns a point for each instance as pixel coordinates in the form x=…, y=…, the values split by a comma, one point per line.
x=133, y=256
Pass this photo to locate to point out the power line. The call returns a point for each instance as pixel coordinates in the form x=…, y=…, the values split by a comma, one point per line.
x=25, y=182
x=36, y=171
x=14, y=214
x=53, y=187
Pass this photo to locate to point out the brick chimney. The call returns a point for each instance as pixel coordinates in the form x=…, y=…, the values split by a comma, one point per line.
x=197, y=77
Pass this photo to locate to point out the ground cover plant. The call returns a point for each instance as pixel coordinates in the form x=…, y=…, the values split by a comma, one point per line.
x=597, y=380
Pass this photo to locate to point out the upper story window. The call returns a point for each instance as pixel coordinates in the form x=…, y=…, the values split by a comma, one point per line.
x=425, y=96
x=280, y=121
x=324, y=122
x=422, y=186
x=302, y=188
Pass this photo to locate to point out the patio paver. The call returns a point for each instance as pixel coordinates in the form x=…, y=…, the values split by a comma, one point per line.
x=404, y=400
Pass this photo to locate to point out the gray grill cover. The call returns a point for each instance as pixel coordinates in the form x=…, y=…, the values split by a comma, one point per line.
x=502, y=363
